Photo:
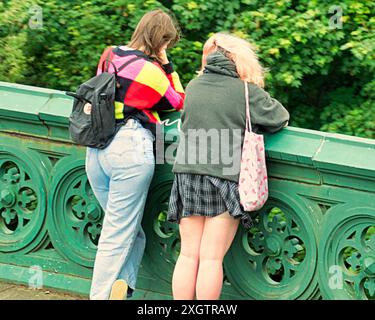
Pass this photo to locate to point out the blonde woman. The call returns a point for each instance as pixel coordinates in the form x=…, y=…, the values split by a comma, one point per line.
x=204, y=198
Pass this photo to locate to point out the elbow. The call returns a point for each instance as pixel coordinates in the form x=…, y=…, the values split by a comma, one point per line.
x=286, y=119
x=278, y=128
x=180, y=105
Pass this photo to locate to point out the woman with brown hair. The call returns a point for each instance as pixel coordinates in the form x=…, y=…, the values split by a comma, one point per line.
x=120, y=175
x=205, y=199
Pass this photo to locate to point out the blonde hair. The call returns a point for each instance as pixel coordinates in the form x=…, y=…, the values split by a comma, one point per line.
x=240, y=51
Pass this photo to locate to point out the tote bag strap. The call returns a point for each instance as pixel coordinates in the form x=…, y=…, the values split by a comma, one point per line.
x=248, y=122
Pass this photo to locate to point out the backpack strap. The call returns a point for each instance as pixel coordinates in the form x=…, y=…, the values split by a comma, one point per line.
x=108, y=61
x=127, y=63
x=122, y=67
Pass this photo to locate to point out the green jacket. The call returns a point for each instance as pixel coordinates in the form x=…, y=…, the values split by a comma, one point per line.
x=213, y=120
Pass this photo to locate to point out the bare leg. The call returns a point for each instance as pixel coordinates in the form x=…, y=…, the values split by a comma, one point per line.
x=185, y=272
x=218, y=234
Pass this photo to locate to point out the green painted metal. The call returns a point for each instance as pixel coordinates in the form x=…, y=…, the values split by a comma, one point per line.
x=277, y=258
x=350, y=244
x=314, y=238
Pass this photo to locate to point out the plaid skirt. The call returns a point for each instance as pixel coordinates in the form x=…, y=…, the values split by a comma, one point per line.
x=203, y=195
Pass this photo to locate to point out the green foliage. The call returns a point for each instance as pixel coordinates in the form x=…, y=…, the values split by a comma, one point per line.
x=13, y=40
x=74, y=35
x=199, y=17
x=358, y=121
x=322, y=72
x=187, y=56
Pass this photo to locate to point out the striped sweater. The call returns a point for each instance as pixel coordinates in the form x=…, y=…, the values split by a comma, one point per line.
x=147, y=88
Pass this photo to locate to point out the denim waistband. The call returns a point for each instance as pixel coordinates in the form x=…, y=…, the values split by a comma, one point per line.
x=132, y=123
x=135, y=124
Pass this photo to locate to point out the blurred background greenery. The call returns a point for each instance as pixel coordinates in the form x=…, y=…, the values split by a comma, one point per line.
x=321, y=71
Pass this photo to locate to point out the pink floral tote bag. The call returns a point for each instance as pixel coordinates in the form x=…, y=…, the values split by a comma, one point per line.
x=253, y=184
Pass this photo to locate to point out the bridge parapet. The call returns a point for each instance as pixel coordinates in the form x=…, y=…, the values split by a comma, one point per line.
x=314, y=238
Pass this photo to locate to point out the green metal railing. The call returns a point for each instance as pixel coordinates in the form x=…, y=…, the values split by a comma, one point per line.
x=314, y=238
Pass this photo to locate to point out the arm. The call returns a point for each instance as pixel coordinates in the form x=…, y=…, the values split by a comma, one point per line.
x=174, y=95
x=266, y=111
x=174, y=81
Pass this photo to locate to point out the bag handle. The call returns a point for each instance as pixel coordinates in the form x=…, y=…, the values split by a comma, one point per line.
x=248, y=122
x=107, y=61
x=77, y=96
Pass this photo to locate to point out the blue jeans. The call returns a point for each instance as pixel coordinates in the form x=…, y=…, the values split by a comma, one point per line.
x=120, y=176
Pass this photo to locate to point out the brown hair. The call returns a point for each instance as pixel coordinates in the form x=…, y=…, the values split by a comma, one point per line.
x=154, y=30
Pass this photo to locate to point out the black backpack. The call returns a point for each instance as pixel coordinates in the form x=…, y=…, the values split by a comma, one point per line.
x=95, y=126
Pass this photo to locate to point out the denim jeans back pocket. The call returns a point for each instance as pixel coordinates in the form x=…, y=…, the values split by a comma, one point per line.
x=124, y=151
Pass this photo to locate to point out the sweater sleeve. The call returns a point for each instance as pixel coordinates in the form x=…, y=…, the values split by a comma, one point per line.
x=265, y=111
x=173, y=98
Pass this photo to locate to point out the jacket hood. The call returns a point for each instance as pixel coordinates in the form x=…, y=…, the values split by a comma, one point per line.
x=217, y=62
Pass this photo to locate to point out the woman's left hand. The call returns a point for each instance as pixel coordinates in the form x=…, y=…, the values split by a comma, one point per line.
x=163, y=56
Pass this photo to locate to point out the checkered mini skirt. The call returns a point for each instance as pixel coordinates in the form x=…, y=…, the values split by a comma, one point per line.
x=203, y=195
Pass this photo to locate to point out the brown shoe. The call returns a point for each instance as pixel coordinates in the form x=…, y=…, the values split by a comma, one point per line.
x=119, y=290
